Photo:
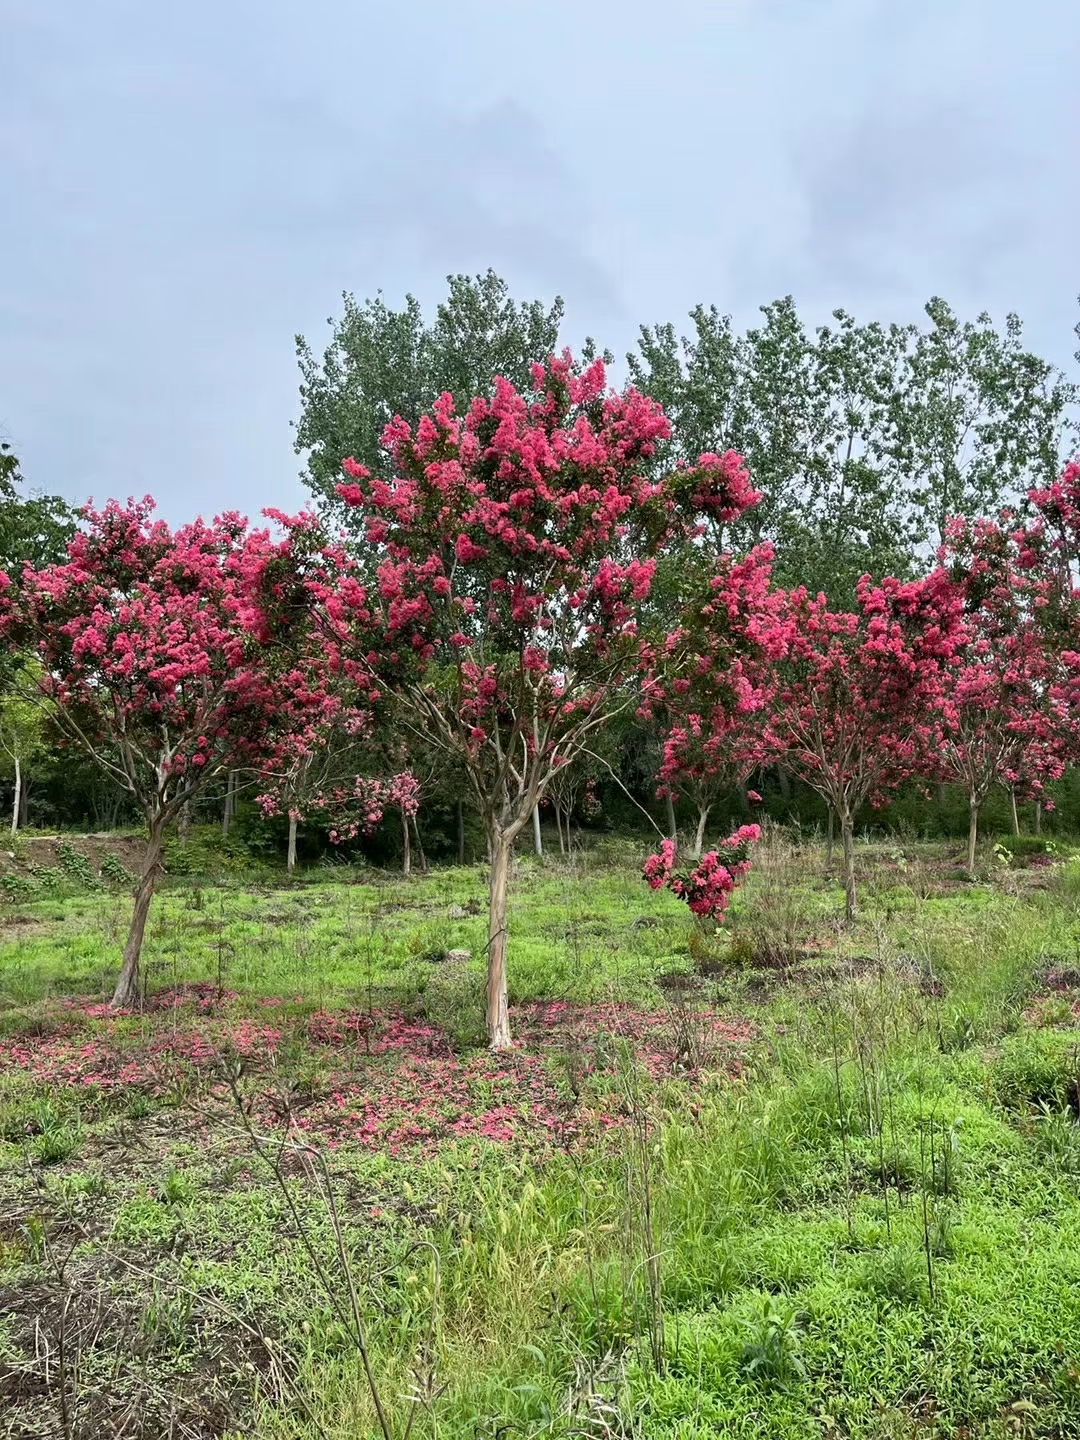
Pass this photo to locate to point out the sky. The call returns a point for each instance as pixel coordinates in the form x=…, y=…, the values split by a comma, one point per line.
x=185, y=188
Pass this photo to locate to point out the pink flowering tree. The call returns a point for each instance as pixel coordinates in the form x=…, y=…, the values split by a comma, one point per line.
x=1000, y=715
x=857, y=693
x=514, y=550
x=709, y=685
x=168, y=657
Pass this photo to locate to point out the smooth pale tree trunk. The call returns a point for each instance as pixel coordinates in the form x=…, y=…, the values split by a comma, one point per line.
x=1038, y=817
x=16, y=803
x=558, y=828
x=406, y=853
x=461, y=832
x=699, y=831
x=672, y=828
x=847, y=840
x=127, y=984
x=974, y=806
x=538, y=839
x=501, y=844
x=185, y=822
x=830, y=835
x=290, y=858
x=419, y=846
x=230, y=802
x=1015, y=816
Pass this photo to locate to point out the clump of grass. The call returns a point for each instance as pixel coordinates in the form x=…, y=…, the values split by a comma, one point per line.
x=772, y=1353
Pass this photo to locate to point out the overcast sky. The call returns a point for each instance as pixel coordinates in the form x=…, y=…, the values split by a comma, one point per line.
x=183, y=188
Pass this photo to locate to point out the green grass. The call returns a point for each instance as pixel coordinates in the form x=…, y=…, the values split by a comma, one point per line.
x=855, y=1213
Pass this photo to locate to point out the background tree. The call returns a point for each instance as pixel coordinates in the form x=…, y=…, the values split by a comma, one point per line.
x=34, y=528
x=23, y=717
x=168, y=659
x=997, y=714
x=976, y=420
x=864, y=438
x=710, y=683
x=857, y=691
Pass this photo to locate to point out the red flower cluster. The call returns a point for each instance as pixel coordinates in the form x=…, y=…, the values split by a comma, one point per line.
x=708, y=886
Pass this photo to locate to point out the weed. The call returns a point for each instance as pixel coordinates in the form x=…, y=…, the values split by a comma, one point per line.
x=772, y=1353
x=54, y=1146
x=897, y=1274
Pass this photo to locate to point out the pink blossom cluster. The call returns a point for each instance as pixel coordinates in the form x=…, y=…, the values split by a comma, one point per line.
x=707, y=888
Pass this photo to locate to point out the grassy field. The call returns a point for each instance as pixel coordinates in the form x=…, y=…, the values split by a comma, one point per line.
x=794, y=1179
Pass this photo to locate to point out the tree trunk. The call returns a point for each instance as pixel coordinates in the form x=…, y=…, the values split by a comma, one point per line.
x=406, y=854
x=24, y=803
x=558, y=826
x=699, y=832
x=461, y=832
x=830, y=837
x=185, y=821
x=17, y=799
x=672, y=827
x=290, y=858
x=1015, y=816
x=127, y=984
x=538, y=839
x=419, y=846
x=785, y=783
x=230, y=802
x=1038, y=817
x=847, y=839
x=974, y=806
x=498, y=1018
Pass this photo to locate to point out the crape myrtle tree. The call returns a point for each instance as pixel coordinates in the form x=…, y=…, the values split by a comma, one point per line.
x=855, y=702
x=517, y=545
x=999, y=717
x=710, y=680
x=168, y=658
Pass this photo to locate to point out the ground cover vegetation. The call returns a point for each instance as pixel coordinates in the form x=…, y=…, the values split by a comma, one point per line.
x=702, y=1125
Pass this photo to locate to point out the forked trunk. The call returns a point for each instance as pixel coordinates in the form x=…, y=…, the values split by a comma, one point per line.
x=290, y=859
x=975, y=805
x=127, y=984
x=538, y=839
x=17, y=799
x=847, y=839
x=699, y=832
x=498, y=1017
x=1015, y=816
x=419, y=846
x=406, y=853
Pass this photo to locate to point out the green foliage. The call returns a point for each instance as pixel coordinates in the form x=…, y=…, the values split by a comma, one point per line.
x=772, y=1354
x=34, y=528
x=75, y=866
x=1037, y=1067
x=863, y=438
x=116, y=872
x=381, y=363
